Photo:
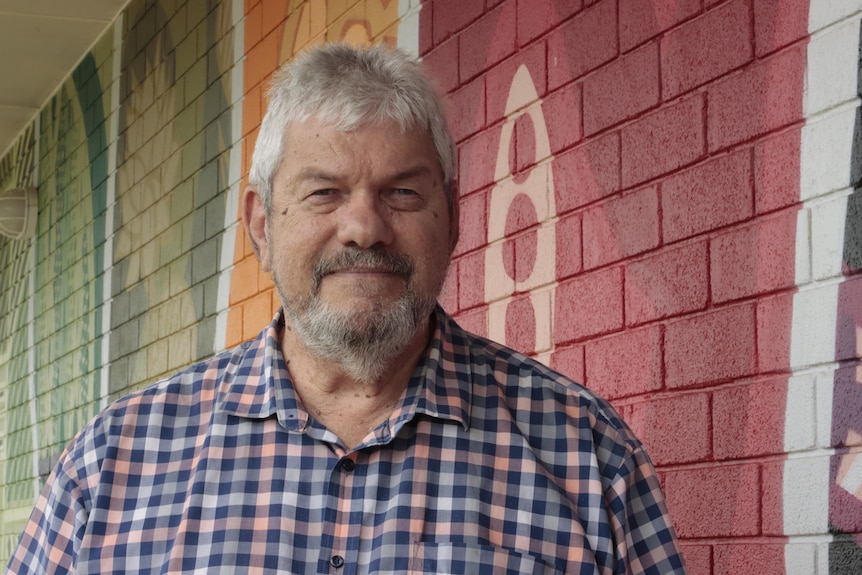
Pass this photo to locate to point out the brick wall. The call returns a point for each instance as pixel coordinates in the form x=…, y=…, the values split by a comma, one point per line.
x=657, y=198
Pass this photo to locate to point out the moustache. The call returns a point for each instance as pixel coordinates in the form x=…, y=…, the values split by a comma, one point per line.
x=357, y=260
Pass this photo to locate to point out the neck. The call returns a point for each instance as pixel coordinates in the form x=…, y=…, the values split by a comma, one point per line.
x=349, y=407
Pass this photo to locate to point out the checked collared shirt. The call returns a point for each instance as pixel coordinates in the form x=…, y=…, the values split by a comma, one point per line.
x=491, y=463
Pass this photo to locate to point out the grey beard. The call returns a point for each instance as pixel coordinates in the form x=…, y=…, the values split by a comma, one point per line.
x=364, y=347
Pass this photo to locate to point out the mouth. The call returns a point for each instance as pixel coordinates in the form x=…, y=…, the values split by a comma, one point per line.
x=367, y=263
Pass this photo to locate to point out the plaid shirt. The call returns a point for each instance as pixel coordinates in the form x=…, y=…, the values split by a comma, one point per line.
x=491, y=463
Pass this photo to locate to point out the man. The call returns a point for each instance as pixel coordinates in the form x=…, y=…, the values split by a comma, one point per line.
x=363, y=431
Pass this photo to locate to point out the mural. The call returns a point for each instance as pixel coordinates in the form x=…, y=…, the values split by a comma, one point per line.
x=845, y=495
x=296, y=24
x=636, y=211
x=17, y=169
x=172, y=168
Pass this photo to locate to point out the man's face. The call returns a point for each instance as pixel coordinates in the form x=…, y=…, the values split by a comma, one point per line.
x=358, y=228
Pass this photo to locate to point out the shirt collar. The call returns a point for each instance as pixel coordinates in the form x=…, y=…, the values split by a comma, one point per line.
x=258, y=385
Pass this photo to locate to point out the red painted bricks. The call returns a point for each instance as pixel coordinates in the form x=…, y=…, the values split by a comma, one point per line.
x=667, y=283
x=756, y=558
x=777, y=24
x=451, y=16
x=776, y=171
x=473, y=223
x=568, y=239
x=569, y=361
x=623, y=89
x=668, y=139
x=539, y=16
x=706, y=48
x=719, y=501
x=499, y=80
x=477, y=158
x=745, y=417
x=754, y=259
x=711, y=347
x=610, y=361
x=641, y=20
x=471, y=280
x=582, y=44
x=588, y=305
x=467, y=104
x=442, y=65
x=488, y=41
x=621, y=228
x=675, y=429
x=774, y=320
x=708, y=196
x=765, y=96
x=587, y=173
x=562, y=111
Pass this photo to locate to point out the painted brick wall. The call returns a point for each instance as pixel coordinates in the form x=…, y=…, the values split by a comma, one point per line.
x=639, y=170
x=657, y=198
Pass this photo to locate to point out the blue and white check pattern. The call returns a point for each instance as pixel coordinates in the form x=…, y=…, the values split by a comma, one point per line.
x=491, y=463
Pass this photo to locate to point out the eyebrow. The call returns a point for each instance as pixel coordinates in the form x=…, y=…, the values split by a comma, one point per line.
x=312, y=174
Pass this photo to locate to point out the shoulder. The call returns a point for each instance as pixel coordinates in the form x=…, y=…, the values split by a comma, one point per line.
x=180, y=402
x=546, y=404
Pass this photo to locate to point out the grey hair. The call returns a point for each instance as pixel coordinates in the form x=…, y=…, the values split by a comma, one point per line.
x=347, y=87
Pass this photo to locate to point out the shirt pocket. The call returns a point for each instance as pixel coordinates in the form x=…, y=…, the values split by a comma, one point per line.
x=463, y=558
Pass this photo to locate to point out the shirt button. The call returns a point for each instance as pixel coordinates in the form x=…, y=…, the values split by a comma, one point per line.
x=336, y=561
x=348, y=465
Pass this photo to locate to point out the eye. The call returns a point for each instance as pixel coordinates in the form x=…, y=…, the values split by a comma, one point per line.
x=322, y=193
x=403, y=198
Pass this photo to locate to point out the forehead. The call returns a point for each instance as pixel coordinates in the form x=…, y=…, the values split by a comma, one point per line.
x=377, y=144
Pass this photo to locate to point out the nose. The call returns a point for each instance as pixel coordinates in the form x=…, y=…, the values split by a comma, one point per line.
x=364, y=221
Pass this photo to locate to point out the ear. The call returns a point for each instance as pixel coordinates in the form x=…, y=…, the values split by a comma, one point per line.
x=254, y=220
x=454, y=218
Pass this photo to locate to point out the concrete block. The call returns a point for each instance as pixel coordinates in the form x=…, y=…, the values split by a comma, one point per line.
x=706, y=48
x=800, y=559
x=539, y=16
x=609, y=363
x=776, y=171
x=670, y=282
x=711, y=347
x=749, y=419
x=754, y=259
x=582, y=44
x=827, y=146
x=806, y=495
x=827, y=236
x=587, y=173
x=762, y=97
x=468, y=105
x=592, y=304
x=568, y=252
x=800, y=427
x=621, y=227
x=823, y=13
x=451, y=16
x=755, y=558
x=710, y=195
x=813, y=328
x=641, y=20
x=663, y=141
x=728, y=495
x=487, y=41
x=507, y=76
x=832, y=63
x=605, y=104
